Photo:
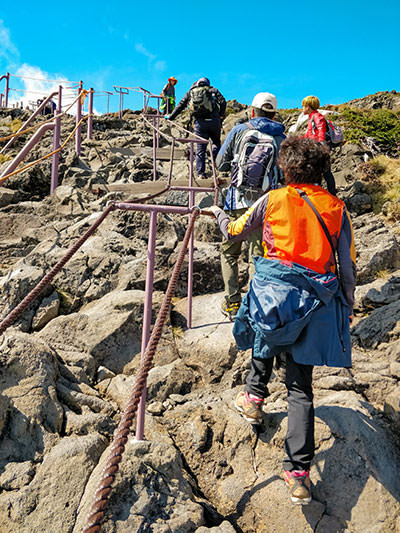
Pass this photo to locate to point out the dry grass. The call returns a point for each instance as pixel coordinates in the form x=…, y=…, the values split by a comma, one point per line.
x=382, y=177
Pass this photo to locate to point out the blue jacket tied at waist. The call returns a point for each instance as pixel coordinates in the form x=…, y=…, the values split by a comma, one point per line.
x=290, y=308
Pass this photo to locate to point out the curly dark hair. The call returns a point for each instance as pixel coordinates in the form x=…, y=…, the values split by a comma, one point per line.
x=303, y=160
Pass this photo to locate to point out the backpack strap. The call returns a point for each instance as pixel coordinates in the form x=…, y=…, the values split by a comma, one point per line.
x=323, y=225
x=314, y=127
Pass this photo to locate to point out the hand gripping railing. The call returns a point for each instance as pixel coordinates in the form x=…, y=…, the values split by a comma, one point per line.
x=97, y=510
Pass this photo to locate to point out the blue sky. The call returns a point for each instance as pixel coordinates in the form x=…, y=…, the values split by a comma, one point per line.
x=338, y=51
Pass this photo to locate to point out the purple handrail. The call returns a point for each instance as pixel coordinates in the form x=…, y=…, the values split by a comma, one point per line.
x=6, y=91
x=30, y=119
x=78, y=119
x=90, y=112
x=29, y=145
x=56, y=144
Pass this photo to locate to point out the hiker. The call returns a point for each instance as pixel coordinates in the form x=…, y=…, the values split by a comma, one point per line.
x=250, y=152
x=168, y=94
x=316, y=129
x=207, y=107
x=296, y=303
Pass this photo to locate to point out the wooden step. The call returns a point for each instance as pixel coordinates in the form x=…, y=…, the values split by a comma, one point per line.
x=147, y=187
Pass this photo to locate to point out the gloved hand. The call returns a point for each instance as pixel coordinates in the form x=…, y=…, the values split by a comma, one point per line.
x=214, y=209
x=166, y=117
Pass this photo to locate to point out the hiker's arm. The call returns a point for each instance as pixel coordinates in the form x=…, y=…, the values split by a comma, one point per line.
x=180, y=107
x=347, y=260
x=225, y=154
x=221, y=103
x=252, y=219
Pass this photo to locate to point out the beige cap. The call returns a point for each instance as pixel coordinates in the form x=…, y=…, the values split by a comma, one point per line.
x=261, y=99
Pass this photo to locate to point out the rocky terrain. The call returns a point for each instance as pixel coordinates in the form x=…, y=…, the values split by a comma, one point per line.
x=69, y=363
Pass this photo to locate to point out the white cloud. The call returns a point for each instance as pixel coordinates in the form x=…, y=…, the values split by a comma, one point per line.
x=8, y=50
x=159, y=65
x=32, y=85
x=142, y=50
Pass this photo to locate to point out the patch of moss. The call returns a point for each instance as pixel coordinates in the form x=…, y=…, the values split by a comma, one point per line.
x=66, y=300
x=4, y=158
x=382, y=179
x=284, y=113
x=15, y=125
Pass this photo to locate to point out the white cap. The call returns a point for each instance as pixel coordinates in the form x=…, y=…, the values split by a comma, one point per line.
x=261, y=99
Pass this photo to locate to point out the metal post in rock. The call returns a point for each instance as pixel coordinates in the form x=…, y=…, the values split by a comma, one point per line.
x=90, y=111
x=191, y=242
x=154, y=150
x=108, y=100
x=148, y=302
x=56, y=144
x=78, y=119
x=7, y=89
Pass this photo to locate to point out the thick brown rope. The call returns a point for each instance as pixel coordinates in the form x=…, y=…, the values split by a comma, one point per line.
x=19, y=170
x=29, y=298
x=97, y=510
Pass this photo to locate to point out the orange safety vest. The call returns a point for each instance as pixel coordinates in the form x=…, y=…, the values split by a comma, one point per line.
x=292, y=232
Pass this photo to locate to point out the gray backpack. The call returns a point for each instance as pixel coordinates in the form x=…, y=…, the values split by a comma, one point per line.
x=255, y=159
x=202, y=101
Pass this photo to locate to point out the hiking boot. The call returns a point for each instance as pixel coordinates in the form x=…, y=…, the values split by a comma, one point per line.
x=299, y=484
x=230, y=310
x=250, y=409
x=202, y=177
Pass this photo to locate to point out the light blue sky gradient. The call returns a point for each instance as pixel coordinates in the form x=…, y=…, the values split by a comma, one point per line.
x=336, y=50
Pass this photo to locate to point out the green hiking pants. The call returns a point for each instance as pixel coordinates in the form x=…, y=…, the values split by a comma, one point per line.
x=230, y=253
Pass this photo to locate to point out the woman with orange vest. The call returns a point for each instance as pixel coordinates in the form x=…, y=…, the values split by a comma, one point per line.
x=296, y=304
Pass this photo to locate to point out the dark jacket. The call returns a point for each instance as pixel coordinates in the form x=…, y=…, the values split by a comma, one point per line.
x=226, y=156
x=219, y=110
x=168, y=90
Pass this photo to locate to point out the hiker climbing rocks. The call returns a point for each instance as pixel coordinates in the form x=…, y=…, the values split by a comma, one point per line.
x=250, y=152
x=168, y=94
x=207, y=107
x=316, y=129
x=296, y=303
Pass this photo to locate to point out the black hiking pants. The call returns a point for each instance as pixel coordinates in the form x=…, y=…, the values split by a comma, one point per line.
x=208, y=128
x=299, y=441
x=330, y=181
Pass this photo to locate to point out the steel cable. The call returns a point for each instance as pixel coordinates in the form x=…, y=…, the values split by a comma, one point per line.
x=110, y=470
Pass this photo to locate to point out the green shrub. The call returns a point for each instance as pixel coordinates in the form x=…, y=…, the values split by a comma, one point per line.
x=381, y=124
